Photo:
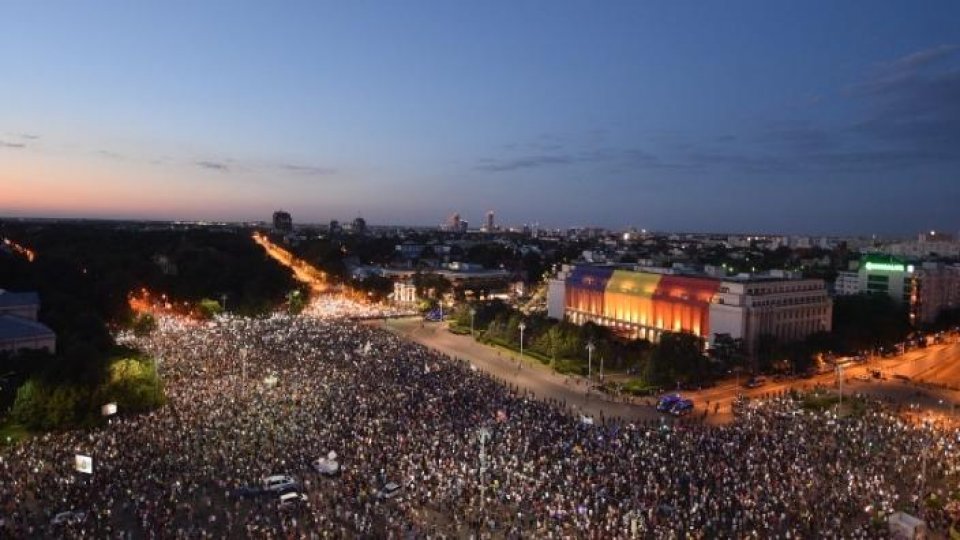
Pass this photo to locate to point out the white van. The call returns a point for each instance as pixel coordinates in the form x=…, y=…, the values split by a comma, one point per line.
x=278, y=482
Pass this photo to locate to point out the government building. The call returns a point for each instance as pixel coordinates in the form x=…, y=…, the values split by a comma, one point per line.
x=643, y=303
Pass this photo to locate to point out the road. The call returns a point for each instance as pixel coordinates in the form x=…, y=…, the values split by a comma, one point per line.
x=936, y=364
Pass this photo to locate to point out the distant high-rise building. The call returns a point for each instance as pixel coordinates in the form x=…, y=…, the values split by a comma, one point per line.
x=454, y=224
x=490, y=224
x=282, y=221
x=335, y=227
x=359, y=225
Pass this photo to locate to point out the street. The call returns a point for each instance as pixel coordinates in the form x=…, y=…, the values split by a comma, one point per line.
x=928, y=370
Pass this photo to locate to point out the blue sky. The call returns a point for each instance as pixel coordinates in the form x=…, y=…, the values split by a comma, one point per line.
x=819, y=117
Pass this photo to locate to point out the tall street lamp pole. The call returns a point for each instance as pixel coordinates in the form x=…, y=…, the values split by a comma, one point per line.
x=522, y=328
x=590, y=348
x=473, y=313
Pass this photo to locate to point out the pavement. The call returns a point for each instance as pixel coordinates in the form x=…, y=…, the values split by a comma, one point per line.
x=931, y=372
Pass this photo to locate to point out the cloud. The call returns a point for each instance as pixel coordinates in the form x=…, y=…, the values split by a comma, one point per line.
x=915, y=105
x=212, y=165
x=308, y=169
x=7, y=144
x=604, y=156
x=920, y=59
x=524, y=162
x=109, y=154
x=29, y=136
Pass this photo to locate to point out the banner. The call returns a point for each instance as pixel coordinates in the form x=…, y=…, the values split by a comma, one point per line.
x=109, y=409
x=83, y=464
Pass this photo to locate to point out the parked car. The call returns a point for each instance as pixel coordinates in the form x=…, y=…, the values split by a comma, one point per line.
x=68, y=518
x=682, y=407
x=291, y=499
x=389, y=490
x=755, y=382
x=278, y=482
x=667, y=401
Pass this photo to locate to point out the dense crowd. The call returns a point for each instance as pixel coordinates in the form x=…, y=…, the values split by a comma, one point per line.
x=249, y=398
x=339, y=307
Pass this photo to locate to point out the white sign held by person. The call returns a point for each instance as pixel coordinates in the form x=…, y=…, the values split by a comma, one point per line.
x=109, y=409
x=83, y=464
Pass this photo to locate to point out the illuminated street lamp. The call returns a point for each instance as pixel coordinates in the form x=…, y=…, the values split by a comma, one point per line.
x=522, y=328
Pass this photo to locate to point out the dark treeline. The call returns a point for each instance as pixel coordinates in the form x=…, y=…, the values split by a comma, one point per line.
x=85, y=272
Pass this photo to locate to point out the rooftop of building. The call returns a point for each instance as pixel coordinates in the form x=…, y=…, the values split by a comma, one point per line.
x=12, y=328
x=16, y=299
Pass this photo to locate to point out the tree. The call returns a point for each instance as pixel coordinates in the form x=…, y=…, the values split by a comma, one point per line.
x=431, y=285
x=296, y=301
x=867, y=321
x=209, y=308
x=768, y=352
x=677, y=358
x=144, y=325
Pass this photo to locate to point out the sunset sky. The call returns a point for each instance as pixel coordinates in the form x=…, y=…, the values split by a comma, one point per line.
x=766, y=116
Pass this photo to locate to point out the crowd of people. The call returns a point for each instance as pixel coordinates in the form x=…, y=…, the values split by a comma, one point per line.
x=249, y=398
x=340, y=307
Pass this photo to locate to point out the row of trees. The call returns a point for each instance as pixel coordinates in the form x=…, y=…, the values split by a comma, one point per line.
x=677, y=358
x=132, y=384
x=861, y=323
x=83, y=274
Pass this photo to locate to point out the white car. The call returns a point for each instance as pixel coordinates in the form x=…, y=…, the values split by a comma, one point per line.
x=278, y=482
x=291, y=499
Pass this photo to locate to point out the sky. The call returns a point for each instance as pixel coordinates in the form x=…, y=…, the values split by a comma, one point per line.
x=813, y=117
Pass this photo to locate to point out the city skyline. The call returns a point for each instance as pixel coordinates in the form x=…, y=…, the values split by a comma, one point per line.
x=812, y=119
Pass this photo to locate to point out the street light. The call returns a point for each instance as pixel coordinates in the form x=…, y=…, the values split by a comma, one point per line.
x=473, y=313
x=522, y=328
x=590, y=348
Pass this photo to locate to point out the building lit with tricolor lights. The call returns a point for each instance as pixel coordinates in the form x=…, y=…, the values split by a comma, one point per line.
x=644, y=303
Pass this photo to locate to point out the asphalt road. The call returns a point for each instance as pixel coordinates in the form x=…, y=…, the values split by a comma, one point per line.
x=935, y=365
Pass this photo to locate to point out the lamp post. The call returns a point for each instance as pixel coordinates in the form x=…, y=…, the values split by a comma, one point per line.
x=590, y=348
x=522, y=328
x=473, y=313
x=223, y=302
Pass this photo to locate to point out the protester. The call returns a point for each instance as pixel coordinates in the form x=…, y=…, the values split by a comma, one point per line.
x=250, y=398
